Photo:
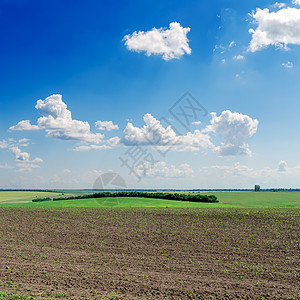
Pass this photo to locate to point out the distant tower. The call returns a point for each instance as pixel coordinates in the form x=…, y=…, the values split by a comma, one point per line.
x=257, y=188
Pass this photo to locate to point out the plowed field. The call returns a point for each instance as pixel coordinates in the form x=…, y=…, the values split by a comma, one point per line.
x=82, y=253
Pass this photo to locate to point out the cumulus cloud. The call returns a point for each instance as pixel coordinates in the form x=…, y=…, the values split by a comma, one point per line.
x=106, y=125
x=20, y=156
x=296, y=2
x=288, y=65
x=114, y=141
x=235, y=128
x=279, y=28
x=57, y=121
x=24, y=164
x=194, y=141
x=153, y=133
x=24, y=125
x=171, y=43
x=23, y=157
x=282, y=167
x=162, y=169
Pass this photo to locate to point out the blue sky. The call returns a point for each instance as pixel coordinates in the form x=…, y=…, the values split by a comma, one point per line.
x=124, y=64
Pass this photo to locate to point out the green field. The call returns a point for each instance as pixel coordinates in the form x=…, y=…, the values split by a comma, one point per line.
x=259, y=199
x=23, y=196
x=116, y=202
x=227, y=199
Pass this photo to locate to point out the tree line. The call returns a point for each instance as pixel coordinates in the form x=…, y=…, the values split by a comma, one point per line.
x=157, y=195
x=41, y=199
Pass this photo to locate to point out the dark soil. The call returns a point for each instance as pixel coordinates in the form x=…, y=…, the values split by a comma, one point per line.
x=150, y=253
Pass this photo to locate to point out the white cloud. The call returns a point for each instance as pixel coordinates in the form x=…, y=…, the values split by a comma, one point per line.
x=232, y=44
x=161, y=169
x=106, y=125
x=114, y=141
x=279, y=28
x=23, y=142
x=239, y=57
x=23, y=157
x=235, y=128
x=85, y=148
x=24, y=164
x=6, y=144
x=20, y=156
x=279, y=4
x=197, y=123
x=170, y=43
x=288, y=65
x=110, y=143
x=37, y=160
x=282, y=167
x=57, y=121
x=296, y=2
x=153, y=133
x=82, y=148
x=24, y=125
x=194, y=141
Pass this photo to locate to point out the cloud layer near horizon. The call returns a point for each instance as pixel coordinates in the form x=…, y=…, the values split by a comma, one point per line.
x=233, y=128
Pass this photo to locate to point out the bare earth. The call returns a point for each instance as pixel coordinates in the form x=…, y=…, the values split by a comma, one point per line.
x=150, y=253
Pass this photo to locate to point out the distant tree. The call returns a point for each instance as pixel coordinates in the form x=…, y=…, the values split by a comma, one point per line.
x=257, y=188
